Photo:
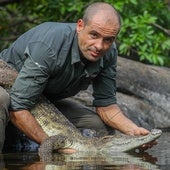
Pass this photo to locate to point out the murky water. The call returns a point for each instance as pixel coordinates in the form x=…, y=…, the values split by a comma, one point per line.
x=157, y=158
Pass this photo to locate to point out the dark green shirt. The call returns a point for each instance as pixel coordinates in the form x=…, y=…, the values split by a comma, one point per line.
x=48, y=61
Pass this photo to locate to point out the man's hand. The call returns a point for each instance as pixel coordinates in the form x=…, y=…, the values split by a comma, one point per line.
x=114, y=117
x=26, y=122
x=136, y=131
x=67, y=150
x=142, y=131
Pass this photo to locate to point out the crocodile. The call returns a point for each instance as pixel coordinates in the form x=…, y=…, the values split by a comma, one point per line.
x=63, y=134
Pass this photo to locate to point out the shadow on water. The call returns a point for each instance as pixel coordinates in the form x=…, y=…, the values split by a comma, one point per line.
x=157, y=158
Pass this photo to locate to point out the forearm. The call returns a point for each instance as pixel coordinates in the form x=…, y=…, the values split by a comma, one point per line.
x=24, y=121
x=114, y=117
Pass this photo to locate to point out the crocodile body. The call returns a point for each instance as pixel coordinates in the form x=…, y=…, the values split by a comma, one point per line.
x=63, y=134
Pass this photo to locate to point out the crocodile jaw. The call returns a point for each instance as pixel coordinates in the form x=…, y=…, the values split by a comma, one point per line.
x=126, y=143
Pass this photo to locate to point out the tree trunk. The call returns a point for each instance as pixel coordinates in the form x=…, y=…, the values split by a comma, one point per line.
x=148, y=89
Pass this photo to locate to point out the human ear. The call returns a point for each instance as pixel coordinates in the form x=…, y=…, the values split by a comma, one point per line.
x=80, y=25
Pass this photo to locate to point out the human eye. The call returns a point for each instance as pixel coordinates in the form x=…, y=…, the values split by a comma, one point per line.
x=93, y=35
x=109, y=39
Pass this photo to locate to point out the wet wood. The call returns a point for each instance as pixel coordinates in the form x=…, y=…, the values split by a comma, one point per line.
x=143, y=93
x=144, y=89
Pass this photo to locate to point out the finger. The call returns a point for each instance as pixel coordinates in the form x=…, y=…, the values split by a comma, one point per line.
x=67, y=150
x=143, y=131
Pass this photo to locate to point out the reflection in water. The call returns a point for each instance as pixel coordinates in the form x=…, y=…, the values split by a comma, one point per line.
x=123, y=161
x=150, y=160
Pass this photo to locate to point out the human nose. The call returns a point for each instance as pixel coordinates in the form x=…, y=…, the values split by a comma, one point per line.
x=99, y=44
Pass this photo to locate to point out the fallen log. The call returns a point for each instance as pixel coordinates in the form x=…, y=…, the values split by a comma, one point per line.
x=149, y=85
x=143, y=93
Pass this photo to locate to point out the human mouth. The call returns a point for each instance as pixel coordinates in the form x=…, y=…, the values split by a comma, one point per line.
x=94, y=54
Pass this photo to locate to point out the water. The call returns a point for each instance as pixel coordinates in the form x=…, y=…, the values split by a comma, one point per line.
x=156, y=158
x=162, y=151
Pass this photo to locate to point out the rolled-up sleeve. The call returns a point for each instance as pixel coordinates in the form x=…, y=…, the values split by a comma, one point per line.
x=32, y=78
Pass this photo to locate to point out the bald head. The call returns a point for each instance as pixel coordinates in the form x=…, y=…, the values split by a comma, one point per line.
x=107, y=12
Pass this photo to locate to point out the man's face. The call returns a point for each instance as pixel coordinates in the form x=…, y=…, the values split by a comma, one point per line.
x=95, y=38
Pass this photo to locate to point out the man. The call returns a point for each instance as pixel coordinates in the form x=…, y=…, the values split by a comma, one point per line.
x=60, y=59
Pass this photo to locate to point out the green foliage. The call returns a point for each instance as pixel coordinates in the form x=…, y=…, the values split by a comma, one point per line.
x=15, y=19
x=139, y=37
x=62, y=11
